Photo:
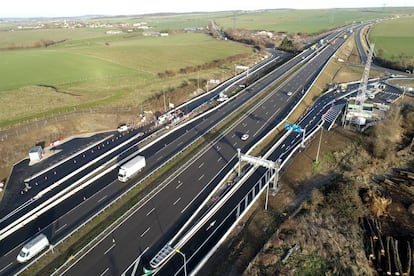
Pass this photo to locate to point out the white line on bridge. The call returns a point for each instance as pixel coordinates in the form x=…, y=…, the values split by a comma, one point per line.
x=202, y=164
x=218, y=160
x=201, y=177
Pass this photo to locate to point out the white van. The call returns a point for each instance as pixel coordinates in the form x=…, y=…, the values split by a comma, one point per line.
x=32, y=248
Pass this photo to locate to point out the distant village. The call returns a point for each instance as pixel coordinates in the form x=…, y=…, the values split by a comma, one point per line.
x=112, y=28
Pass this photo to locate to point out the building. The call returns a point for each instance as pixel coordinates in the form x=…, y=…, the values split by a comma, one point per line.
x=36, y=153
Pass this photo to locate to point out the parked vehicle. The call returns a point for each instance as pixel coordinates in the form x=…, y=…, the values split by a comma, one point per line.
x=122, y=127
x=32, y=248
x=131, y=168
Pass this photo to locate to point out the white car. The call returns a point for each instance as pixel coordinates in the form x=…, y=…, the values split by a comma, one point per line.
x=289, y=93
x=244, y=137
x=122, y=128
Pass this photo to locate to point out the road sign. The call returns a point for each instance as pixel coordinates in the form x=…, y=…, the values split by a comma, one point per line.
x=296, y=128
x=288, y=126
x=292, y=127
x=147, y=271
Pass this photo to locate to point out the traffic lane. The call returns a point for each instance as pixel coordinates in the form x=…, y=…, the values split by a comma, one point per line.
x=150, y=212
x=293, y=141
x=65, y=184
x=161, y=214
x=212, y=231
x=176, y=200
x=112, y=254
x=63, y=224
x=13, y=195
x=10, y=247
x=54, y=175
x=193, y=105
x=83, y=158
x=229, y=145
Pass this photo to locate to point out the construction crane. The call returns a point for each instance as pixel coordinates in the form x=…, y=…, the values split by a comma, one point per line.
x=362, y=91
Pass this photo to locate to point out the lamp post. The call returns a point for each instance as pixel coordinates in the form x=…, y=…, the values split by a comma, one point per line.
x=185, y=260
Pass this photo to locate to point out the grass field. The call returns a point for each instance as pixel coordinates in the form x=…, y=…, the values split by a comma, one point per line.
x=30, y=67
x=305, y=21
x=95, y=69
x=394, y=38
x=156, y=54
x=28, y=37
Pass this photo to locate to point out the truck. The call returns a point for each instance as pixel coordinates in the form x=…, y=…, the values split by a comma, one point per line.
x=131, y=168
x=32, y=248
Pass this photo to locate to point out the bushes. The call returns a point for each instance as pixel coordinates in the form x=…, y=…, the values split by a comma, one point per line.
x=342, y=200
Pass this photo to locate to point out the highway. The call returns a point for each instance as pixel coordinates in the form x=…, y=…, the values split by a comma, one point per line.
x=217, y=225
x=68, y=215
x=162, y=215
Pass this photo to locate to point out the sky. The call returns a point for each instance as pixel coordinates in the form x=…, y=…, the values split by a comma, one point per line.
x=59, y=8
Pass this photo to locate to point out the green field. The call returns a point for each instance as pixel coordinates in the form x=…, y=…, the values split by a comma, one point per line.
x=99, y=71
x=305, y=21
x=29, y=37
x=394, y=39
x=90, y=68
x=50, y=67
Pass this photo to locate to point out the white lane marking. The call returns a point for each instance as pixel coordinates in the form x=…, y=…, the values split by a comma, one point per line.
x=102, y=198
x=143, y=234
x=152, y=210
x=179, y=184
x=233, y=135
x=112, y=246
x=60, y=228
x=201, y=177
x=105, y=271
x=158, y=159
x=267, y=122
x=234, y=144
x=202, y=164
x=178, y=199
x=179, y=144
x=4, y=268
x=218, y=160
